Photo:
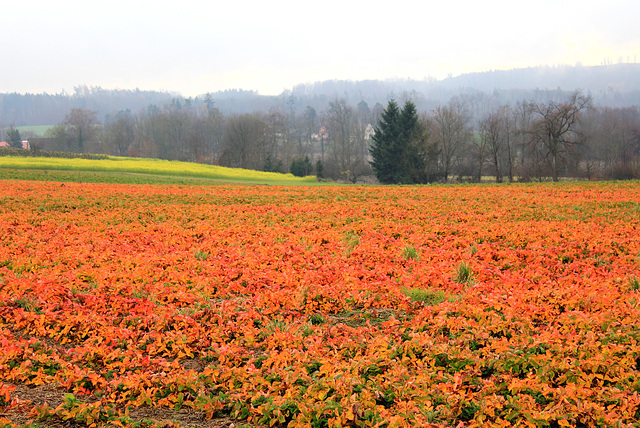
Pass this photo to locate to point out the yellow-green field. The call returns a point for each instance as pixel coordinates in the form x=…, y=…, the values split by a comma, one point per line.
x=13, y=167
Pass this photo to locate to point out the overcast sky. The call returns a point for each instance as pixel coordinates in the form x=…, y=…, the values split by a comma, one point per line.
x=194, y=47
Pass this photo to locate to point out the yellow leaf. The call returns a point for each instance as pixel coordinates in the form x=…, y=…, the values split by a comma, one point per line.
x=349, y=415
x=396, y=421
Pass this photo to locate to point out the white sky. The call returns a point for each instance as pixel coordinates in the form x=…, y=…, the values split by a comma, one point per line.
x=194, y=47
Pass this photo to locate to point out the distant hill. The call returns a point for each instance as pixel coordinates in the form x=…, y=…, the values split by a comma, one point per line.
x=611, y=85
x=623, y=78
x=50, y=109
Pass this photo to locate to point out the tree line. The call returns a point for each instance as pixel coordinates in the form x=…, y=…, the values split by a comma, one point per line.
x=528, y=141
x=532, y=140
x=331, y=143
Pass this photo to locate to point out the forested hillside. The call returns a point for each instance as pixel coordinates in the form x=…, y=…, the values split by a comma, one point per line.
x=610, y=86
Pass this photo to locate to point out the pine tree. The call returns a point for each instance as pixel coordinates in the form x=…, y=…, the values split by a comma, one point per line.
x=301, y=167
x=411, y=139
x=385, y=149
x=399, y=148
x=13, y=138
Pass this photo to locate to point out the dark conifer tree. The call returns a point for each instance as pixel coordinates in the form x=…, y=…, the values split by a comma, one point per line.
x=385, y=149
x=398, y=148
x=13, y=138
x=411, y=165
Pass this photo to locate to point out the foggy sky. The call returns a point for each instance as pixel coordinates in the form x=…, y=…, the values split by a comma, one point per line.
x=194, y=47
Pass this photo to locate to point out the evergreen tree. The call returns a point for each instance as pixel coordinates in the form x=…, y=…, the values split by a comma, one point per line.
x=319, y=169
x=385, y=149
x=301, y=167
x=411, y=139
x=273, y=165
x=399, y=150
x=13, y=138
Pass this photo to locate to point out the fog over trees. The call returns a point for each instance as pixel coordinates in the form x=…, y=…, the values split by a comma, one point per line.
x=529, y=124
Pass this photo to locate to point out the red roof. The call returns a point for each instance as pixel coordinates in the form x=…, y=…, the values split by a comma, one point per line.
x=25, y=144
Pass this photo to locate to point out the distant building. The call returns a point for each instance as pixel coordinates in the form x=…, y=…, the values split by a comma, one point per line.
x=25, y=144
x=369, y=131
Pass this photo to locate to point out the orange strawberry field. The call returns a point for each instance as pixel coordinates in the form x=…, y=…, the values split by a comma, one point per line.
x=461, y=306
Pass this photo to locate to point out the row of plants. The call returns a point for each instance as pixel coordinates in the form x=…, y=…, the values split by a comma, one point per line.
x=10, y=151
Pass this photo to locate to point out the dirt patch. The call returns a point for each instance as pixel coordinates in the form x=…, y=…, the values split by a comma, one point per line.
x=358, y=318
x=193, y=364
x=39, y=394
x=48, y=341
x=36, y=395
x=54, y=396
x=184, y=417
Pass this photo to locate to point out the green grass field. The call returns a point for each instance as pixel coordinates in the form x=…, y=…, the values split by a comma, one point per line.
x=39, y=130
x=138, y=171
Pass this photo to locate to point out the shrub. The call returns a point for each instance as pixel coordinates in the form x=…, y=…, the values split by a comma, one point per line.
x=319, y=169
x=428, y=296
x=273, y=165
x=317, y=319
x=624, y=172
x=410, y=252
x=301, y=167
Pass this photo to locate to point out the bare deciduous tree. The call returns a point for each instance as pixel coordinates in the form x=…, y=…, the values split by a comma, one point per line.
x=346, y=136
x=243, y=142
x=449, y=129
x=80, y=126
x=119, y=133
x=277, y=147
x=495, y=133
x=555, y=128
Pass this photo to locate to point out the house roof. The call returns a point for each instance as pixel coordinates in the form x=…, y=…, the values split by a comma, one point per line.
x=25, y=144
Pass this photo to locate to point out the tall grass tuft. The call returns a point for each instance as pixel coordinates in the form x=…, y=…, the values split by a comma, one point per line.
x=464, y=274
x=410, y=252
x=428, y=296
x=351, y=240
